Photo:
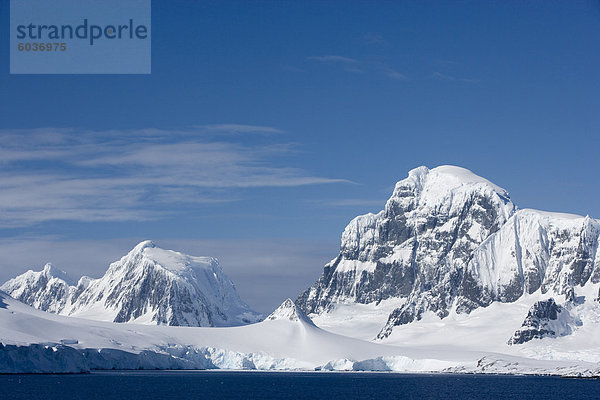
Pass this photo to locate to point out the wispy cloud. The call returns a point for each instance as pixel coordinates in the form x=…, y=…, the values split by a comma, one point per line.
x=354, y=203
x=446, y=63
x=237, y=128
x=132, y=175
x=374, y=38
x=354, y=65
x=450, y=78
x=391, y=73
x=354, y=70
x=334, y=59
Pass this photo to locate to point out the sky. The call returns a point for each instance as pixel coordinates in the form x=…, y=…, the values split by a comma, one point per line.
x=266, y=126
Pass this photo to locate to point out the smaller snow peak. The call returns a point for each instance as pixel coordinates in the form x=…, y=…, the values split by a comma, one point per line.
x=50, y=271
x=84, y=282
x=419, y=172
x=287, y=304
x=549, y=214
x=413, y=183
x=589, y=227
x=139, y=250
x=289, y=311
x=144, y=245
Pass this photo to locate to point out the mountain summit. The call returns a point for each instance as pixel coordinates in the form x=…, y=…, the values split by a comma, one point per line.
x=149, y=285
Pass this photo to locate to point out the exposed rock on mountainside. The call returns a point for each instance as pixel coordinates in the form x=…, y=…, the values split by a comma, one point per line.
x=544, y=319
x=533, y=250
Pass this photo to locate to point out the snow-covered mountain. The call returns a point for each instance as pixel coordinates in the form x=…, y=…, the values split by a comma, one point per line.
x=48, y=289
x=449, y=241
x=149, y=286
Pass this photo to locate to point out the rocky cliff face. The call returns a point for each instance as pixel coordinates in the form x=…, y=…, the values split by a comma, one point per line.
x=448, y=238
x=544, y=319
x=149, y=285
x=533, y=250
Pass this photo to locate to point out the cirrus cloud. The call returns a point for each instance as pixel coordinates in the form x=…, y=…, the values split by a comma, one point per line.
x=131, y=175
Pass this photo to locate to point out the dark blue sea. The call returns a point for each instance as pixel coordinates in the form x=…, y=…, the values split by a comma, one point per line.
x=178, y=385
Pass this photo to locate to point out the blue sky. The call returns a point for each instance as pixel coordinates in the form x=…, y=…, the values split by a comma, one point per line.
x=266, y=126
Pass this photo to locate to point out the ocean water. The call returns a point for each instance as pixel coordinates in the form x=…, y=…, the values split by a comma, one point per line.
x=129, y=385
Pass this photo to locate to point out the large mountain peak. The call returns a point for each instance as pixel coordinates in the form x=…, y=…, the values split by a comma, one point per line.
x=449, y=239
x=138, y=251
x=418, y=244
x=148, y=285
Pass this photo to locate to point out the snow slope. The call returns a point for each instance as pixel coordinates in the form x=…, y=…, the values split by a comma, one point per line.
x=489, y=329
x=149, y=285
x=286, y=340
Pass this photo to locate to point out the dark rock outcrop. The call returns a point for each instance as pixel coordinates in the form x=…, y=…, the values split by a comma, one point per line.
x=544, y=319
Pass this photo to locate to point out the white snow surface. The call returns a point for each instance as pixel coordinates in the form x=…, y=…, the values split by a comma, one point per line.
x=361, y=321
x=279, y=343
